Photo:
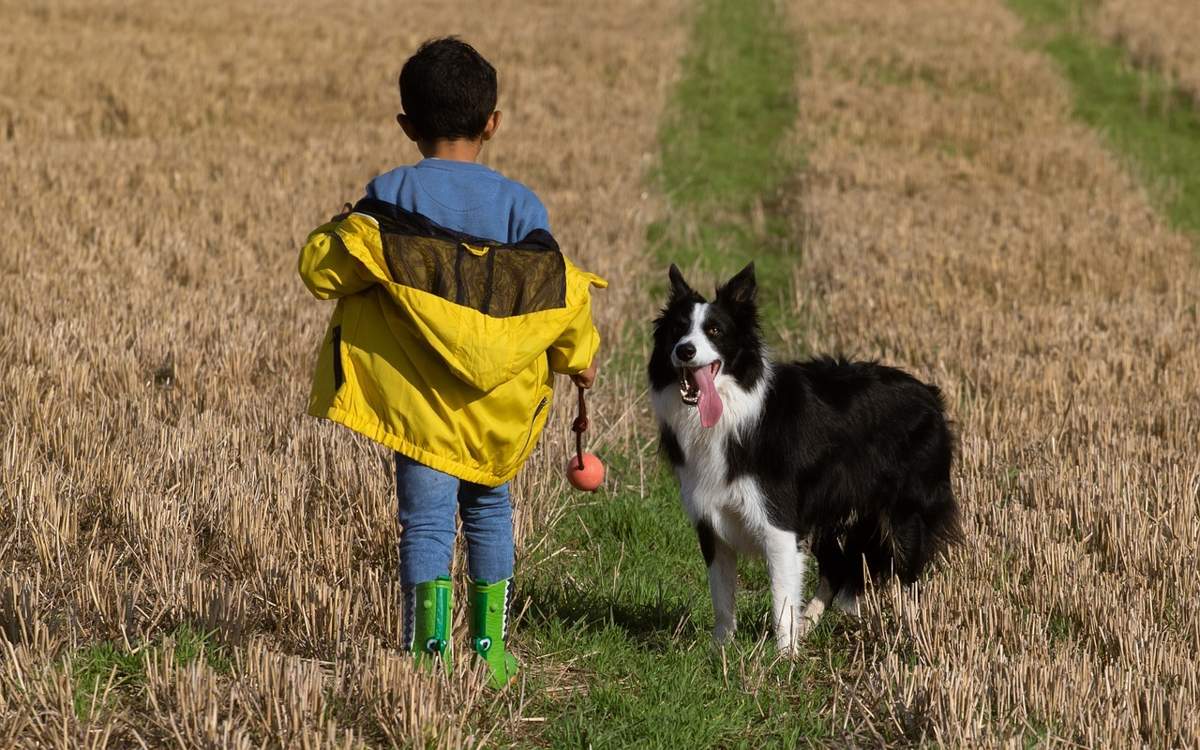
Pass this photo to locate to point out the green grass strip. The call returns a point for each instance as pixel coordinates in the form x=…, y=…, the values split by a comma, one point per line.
x=626, y=616
x=624, y=611
x=720, y=143
x=724, y=164
x=1141, y=115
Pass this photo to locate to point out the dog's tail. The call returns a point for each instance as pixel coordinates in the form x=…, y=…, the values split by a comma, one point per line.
x=925, y=534
x=933, y=497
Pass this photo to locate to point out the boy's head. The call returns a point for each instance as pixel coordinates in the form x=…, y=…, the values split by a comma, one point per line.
x=448, y=92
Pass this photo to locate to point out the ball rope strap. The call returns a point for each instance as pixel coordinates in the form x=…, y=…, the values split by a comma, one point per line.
x=579, y=426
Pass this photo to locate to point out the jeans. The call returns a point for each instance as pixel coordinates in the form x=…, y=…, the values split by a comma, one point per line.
x=427, y=501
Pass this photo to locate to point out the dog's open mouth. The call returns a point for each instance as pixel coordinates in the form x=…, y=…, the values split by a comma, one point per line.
x=689, y=386
x=696, y=388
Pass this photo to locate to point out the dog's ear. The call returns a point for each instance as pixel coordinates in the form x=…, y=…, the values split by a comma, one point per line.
x=679, y=287
x=741, y=289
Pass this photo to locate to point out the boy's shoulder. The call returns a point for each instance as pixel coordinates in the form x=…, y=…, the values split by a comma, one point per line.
x=523, y=197
x=386, y=183
x=528, y=210
x=465, y=196
x=475, y=169
x=471, y=170
x=521, y=191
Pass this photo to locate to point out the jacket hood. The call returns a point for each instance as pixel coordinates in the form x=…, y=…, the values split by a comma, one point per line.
x=487, y=309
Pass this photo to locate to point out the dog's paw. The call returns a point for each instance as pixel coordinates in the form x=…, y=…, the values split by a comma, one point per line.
x=805, y=625
x=723, y=634
x=847, y=604
x=812, y=615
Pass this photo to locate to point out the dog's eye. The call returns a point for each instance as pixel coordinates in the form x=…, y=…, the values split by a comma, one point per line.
x=713, y=331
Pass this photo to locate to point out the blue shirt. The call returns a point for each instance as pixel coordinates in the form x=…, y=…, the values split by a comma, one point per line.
x=463, y=196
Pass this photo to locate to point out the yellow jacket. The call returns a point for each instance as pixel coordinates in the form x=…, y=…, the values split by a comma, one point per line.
x=442, y=346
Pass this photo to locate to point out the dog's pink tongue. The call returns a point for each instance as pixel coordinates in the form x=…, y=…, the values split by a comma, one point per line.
x=710, y=403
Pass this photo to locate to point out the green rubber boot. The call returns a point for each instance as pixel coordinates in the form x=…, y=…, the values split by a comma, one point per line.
x=428, y=609
x=489, y=628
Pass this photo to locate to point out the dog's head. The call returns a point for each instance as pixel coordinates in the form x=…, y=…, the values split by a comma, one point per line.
x=704, y=347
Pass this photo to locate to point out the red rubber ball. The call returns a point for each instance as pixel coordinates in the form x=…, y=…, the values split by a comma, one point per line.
x=587, y=478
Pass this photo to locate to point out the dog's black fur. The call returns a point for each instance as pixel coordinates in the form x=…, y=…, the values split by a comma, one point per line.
x=853, y=456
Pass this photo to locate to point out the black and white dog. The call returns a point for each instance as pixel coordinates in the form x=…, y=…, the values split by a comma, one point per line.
x=848, y=460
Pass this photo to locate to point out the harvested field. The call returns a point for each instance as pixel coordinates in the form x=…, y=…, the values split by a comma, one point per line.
x=158, y=480
x=186, y=559
x=956, y=221
x=1160, y=36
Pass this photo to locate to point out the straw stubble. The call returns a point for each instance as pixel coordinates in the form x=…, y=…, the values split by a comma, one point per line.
x=958, y=223
x=162, y=163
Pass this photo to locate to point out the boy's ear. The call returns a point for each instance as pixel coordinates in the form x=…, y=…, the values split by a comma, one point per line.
x=493, y=124
x=741, y=289
x=407, y=126
x=679, y=287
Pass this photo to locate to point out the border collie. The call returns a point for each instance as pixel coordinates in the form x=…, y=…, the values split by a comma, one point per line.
x=847, y=460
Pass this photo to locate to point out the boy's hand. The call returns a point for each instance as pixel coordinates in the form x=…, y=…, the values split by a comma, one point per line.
x=585, y=378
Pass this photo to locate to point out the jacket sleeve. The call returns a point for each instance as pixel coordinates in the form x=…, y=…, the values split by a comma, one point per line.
x=575, y=348
x=328, y=270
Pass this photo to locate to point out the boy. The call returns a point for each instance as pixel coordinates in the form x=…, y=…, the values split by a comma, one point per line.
x=455, y=308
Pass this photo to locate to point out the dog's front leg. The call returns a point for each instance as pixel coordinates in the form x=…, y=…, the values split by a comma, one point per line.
x=785, y=566
x=722, y=581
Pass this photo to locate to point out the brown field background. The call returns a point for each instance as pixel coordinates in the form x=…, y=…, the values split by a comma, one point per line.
x=957, y=222
x=161, y=164
x=1162, y=36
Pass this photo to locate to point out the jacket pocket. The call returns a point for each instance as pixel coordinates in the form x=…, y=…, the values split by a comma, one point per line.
x=533, y=421
x=339, y=377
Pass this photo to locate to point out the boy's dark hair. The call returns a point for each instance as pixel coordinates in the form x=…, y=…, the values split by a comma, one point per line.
x=448, y=90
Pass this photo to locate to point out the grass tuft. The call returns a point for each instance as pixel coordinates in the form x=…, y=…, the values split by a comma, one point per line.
x=106, y=670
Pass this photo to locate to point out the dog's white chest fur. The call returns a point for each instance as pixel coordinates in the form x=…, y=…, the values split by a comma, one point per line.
x=736, y=510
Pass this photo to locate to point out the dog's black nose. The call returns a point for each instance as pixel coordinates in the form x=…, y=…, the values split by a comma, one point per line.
x=685, y=351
